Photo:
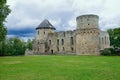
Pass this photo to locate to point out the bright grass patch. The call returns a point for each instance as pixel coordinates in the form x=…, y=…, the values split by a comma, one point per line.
x=58, y=67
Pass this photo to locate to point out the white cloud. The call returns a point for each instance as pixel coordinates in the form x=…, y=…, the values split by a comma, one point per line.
x=61, y=13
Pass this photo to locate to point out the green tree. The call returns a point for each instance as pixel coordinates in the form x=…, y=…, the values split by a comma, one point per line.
x=114, y=37
x=4, y=11
x=15, y=46
x=29, y=44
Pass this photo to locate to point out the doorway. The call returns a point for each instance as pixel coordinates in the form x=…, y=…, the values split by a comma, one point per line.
x=52, y=51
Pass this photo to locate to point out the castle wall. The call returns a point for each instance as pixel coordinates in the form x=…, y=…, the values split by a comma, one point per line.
x=61, y=42
x=41, y=34
x=104, y=40
x=87, y=42
x=87, y=39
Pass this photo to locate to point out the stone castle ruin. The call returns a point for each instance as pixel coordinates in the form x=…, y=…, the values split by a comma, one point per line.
x=87, y=39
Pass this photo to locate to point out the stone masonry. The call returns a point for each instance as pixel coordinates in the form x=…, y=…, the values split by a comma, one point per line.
x=87, y=39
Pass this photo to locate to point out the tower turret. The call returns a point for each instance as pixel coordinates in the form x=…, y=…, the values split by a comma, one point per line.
x=87, y=21
x=43, y=29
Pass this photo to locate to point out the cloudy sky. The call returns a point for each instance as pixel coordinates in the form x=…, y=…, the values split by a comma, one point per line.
x=26, y=15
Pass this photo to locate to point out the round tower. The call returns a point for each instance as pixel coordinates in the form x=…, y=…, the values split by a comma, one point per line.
x=87, y=35
x=44, y=29
x=87, y=21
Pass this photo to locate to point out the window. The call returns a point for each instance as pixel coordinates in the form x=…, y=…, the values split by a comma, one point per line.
x=38, y=32
x=63, y=49
x=72, y=43
x=57, y=41
x=38, y=48
x=49, y=42
x=57, y=48
x=71, y=48
x=87, y=19
x=102, y=41
x=38, y=42
x=62, y=40
x=64, y=34
x=44, y=32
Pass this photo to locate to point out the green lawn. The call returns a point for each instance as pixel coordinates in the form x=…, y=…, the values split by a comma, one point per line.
x=60, y=68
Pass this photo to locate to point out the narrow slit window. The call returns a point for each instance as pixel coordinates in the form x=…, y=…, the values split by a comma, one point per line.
x=62, y=40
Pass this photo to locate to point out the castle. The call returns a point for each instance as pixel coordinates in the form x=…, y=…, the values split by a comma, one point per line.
x=87, y=39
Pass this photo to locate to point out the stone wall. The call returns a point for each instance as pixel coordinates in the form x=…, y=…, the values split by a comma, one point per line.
x=104, y=40
x=60, y=42
x=87, y=42
x=87, y=39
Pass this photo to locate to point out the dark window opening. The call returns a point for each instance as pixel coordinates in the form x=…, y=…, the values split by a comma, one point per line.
x=72, y=49
x=88, y=24
x=62, y=40
x=49, y=42
x=57, y=48
x=38, y=42
x=38, y=48
x=87, y=19
x=102, y=41
x=64, y=34
x=38, y=32
x=72, y=42
x=45, y=50
x=44, y=32
x=52, y=51
x=57, y=41
x=63, y=49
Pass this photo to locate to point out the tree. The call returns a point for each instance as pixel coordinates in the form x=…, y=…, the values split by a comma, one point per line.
x=15, y=46
x=4, y=11
x=29, y=44
x=114, y=37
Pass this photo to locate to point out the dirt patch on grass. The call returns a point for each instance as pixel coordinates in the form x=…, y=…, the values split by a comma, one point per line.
x=12, y=62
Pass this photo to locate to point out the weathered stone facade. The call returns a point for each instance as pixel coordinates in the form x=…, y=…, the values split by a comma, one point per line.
x=87, y=39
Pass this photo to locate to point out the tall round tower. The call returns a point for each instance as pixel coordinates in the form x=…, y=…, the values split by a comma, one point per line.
x=87, y=35
x=87, y=21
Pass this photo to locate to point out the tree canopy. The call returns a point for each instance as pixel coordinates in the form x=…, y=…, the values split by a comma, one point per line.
x=114, y=37
x=4, y=11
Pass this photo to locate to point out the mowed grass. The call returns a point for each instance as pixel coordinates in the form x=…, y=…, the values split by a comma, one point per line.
x=56, y=67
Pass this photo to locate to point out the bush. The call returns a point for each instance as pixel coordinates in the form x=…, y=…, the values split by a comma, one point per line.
x=109, y=52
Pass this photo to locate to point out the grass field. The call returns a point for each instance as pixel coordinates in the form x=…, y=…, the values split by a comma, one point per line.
x=60, y=68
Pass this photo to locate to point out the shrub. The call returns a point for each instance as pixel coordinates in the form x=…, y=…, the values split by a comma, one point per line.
x=109, y=52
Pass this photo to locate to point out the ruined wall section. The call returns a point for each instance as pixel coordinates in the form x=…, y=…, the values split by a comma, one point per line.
x=62, y=42
x=104, y=40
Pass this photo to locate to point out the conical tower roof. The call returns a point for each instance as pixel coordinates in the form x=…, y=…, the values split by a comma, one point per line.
x=45, y=24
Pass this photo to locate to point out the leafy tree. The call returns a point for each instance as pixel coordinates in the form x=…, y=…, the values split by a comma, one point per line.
x=114, y=37
x=15, y=46
x=4, y=11
x=30, y=44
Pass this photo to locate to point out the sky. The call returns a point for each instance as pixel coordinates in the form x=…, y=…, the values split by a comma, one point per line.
x=26, y=15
